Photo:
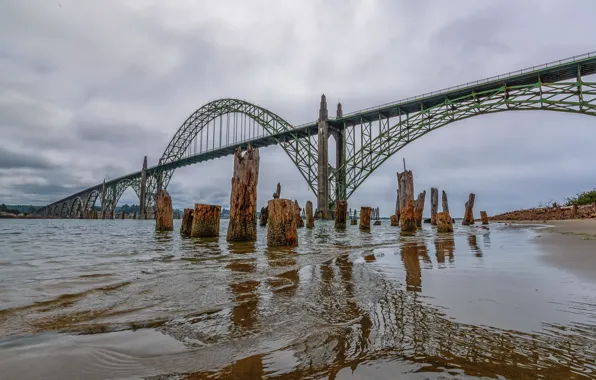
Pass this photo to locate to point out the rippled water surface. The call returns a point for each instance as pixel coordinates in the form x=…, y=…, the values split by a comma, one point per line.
x=94, y=299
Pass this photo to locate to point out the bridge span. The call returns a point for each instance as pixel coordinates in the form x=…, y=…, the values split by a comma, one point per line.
x=364, y=139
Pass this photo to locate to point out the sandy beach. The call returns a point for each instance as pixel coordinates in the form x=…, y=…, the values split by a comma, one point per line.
x=570, y=244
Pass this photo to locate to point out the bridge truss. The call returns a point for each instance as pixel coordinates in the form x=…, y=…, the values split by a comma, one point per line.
x=367, y=137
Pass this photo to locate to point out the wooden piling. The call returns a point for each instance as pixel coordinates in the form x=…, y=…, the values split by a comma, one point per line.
x=341, y=209
x=419, y=208
x=281, y=229
x=164, y=214
x=469, y=215
x=310, y=218
x=263, y=217
x=405, y=181
x=444, y=223
x=243, y=199
x=299, y=221
x=205, y=221
x=434, y=205
x=277, y=191
x=408, y=218
x=484, y=217
x=394, y=220
x=123, y=215
x=365, y=218
x=186, y=226
x=134, y=215
x=445, y=203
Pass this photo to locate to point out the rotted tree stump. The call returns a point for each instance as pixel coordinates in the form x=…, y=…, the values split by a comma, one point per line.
x=205, y=221
x=434, y=205
x=484, y=217
x=299, y=221
x=408, y=218
x=310, y=218
x=281, y=229
x=164, y=214
x=444, y=222
x=341, y=213
x=394, y=220
x=186, y=226
x=365, y=218
x=263, y=218
x=419, y=208
x=445, y=202
x=243, y=200
x=469, y=215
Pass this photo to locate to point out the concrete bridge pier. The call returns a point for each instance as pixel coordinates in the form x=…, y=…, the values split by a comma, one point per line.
x=323, y=161
x=143, y=195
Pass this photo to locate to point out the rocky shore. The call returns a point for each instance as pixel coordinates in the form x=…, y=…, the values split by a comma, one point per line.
x=549, y=213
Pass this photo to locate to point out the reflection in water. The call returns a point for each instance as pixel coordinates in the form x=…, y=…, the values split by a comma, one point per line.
x=486, y=239
x=444, y=245
x=474, y=245
x=244, y=311
x=410, y=253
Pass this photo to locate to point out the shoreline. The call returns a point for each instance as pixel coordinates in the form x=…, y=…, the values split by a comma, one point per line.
x=567, y=244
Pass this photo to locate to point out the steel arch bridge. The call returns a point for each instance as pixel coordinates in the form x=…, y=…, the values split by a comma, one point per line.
x=364, y=139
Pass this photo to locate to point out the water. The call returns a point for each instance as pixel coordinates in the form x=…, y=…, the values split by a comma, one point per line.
x=96, y=299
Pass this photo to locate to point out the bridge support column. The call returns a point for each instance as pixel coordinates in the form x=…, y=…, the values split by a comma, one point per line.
x=323, y=161
x=103, y=200
x=340, y=158
x=143, y=195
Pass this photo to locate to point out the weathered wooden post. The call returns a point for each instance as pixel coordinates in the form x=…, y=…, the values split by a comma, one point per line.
x=281, y=229
x=186, y=226
x=310, y=218
x=445, y=203
x=377, y=217
x=341, y=208
x=365, y=218
x=134, y=215
x=243, y=200
x=484, y=217
x=408, y=218
x=444, y=222
x=205, y=221
x=419, y=208
x=299, y=221
x=164, y=215
x=434, y=205
x=469, y=215
x=263, y=217
x=277, y=191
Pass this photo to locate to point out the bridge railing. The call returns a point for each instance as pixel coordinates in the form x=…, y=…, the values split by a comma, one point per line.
x=511, y=74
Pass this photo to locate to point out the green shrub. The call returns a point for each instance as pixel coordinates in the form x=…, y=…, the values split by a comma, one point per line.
x=583, y=198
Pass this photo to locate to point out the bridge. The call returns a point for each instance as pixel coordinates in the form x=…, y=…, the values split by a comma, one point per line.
x=364, y=139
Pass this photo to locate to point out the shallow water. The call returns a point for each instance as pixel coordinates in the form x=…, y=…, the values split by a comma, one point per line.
x=96, y=299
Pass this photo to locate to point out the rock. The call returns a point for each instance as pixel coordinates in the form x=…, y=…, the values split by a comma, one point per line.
x=164, y=214
x=281, y=230
x=243, y=199
x=341, y=212
x=205, y=221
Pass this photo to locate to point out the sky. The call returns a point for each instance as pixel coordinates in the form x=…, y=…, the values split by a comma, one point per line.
x=87, y=88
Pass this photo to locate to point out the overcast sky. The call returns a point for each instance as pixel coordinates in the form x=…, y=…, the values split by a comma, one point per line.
x=87, y=88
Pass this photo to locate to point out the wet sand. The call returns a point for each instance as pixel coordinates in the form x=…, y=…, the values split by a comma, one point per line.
x=569, y=244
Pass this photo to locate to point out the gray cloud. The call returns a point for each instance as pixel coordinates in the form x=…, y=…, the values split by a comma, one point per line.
x=88, y=89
